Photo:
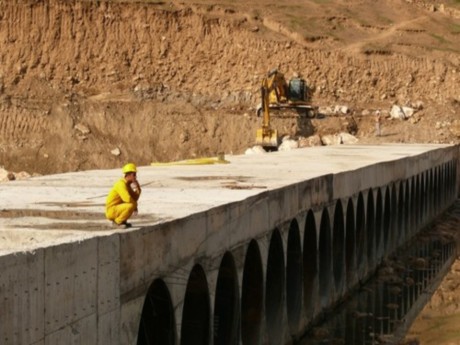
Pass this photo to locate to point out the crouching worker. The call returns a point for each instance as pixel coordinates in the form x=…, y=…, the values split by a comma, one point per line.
x=121, y=202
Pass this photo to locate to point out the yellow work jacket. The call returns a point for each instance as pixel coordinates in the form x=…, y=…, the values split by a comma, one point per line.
x=121, y=192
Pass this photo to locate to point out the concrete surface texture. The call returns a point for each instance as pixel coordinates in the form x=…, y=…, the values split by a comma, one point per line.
x=69, y=207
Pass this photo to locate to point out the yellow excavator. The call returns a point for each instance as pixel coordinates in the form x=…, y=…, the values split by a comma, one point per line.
x=277, y=94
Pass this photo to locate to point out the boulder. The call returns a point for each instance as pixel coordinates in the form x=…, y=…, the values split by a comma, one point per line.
x=331, y=139
x=255, y=150
x=314, y=140
x=397, y=113
x=347, y=138
x=288, y=145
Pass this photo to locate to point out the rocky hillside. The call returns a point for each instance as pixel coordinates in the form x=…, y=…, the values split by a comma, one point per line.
x=87, y=84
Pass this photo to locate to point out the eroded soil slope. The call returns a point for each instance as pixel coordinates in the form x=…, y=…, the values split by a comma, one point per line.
x=164, y=81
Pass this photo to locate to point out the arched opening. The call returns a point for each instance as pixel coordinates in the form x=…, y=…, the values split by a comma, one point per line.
x=370, y=230
x=310, y=263
x=274, y=289
x=394, y=218
x=360, y=236
x=294, y=277
x=350, y=244
x=338, y=247
x=400, y=235
x=407, y=210
x=157, y=325
x=226, y=303
x=196, y=312
x=387, y=221
x=379, y=226
x=427, y=196
x=325, y=258
x=252, y=296
x=418, y=201
x=413, y=205
x=439, y=189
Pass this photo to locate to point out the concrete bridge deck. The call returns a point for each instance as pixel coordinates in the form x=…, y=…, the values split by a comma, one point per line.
x=68, y=276
x=68, y=207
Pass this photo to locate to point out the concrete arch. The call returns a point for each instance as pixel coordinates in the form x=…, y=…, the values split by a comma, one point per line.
x=378, y=226
x=310, y=264
x=370, y=230
x=338, y=248
x=360, y=236
x=325, y=258
x=350, y=245
x=226, y=303
x=274, y=289
x=157, y=325
x=387, y=220
x=294, y=277
x=196, y=314
x=252, y=296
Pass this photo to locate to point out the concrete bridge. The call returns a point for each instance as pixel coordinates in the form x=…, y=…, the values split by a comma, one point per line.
x=248, y=252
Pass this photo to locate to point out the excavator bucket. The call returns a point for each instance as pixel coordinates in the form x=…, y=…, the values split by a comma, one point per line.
x=267, y=138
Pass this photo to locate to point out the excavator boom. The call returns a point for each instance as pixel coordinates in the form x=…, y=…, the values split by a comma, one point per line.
x=266, y=136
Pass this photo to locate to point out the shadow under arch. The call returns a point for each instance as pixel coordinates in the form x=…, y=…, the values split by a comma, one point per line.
x=196, y=312
x=294, y=277
x=338, y=247
x=378, y=226
x=325, y=258
x=370, y=230
x=387, y=221
x=252, y=296
x=157, y=325
x=350, y=245
x=360, y=236
x=310, y=263
x=274, y=289
x=226, y=303
x=393, y=218
x=400, y=230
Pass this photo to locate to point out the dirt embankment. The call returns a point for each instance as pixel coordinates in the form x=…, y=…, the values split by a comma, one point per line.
x=164, y=82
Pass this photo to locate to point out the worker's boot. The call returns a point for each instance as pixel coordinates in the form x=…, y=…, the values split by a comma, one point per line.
x=123, y=225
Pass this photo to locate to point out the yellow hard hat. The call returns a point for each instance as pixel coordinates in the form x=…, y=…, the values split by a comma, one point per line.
x=130, y=167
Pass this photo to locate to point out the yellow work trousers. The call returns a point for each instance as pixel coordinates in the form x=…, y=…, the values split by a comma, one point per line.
x=120, y=213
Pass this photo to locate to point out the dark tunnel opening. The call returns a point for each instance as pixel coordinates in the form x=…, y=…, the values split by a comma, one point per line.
x=274, y=289
x=325, y=259
x=310, y=263
x=350, y=244
x=196, y=312
x=157, y=325
x=226, y=303
x=338, y=247
x=294, y=277
x=252, y=294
